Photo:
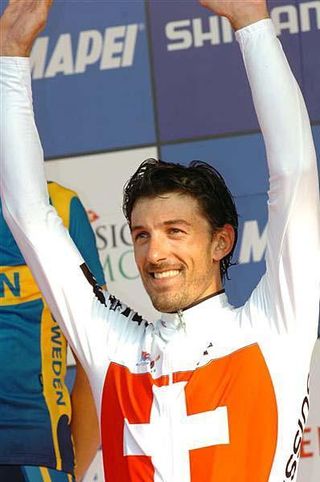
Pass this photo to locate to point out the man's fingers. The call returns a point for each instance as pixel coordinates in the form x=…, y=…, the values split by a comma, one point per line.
x=44, y=7
x=34, y=12
x=21, y=22
x=24, y=5
x=45, y=4
x=40, y=9
x=20, y=5
x=35, y=2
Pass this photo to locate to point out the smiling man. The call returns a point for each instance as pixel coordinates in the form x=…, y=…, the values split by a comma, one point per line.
x=183, y=223
x=209, y=393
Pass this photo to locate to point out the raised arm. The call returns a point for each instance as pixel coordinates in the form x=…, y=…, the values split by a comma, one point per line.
x=39, y=232
x=291, y=284
x=84, y=315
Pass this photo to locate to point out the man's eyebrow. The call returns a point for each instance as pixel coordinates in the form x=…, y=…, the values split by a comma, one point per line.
x=176, y=221
x=135, y=228
x=169, y=222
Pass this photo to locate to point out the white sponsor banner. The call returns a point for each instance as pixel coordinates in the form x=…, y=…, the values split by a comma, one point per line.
x=309, y=468
x=98, y=179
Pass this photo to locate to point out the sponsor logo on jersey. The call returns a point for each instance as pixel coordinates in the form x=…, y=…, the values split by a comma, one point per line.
x=17, y=285
x=145, y=359
x=93, y=282
x=292, y=463
x=12, y=284
x=57, y=364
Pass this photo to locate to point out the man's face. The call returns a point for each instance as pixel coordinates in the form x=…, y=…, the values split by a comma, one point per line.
x=173, y=248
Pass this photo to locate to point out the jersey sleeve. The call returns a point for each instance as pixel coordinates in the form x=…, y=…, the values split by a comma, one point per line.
x=83, y=236
x=288, y=293
x=93, y=322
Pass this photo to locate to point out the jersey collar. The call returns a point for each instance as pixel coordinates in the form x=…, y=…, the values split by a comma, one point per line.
x=198, y=317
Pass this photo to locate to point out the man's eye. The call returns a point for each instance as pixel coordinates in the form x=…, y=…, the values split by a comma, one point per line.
x=175, y=231
x=142, y=235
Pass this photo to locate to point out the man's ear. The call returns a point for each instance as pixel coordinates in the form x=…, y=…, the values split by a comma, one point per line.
x=223, y=241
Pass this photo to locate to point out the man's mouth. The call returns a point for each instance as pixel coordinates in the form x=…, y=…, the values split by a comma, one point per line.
x=165, y=274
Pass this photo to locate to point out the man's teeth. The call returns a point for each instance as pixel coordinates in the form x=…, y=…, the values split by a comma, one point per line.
x=166, y=274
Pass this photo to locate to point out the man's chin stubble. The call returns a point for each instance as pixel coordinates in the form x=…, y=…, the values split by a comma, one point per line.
x=167, y=305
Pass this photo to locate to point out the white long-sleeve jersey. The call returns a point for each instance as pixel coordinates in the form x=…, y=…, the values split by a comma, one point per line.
x=211, y=394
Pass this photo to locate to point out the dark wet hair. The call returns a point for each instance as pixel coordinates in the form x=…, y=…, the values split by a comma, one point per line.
x=199, y=180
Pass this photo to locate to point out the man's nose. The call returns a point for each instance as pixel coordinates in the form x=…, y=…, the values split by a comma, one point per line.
x=157, y=250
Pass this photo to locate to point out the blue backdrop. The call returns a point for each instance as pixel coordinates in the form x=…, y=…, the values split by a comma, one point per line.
x=114, y=75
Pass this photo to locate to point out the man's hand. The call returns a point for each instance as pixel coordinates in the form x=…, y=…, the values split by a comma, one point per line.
x=240, y=13
x=20, y=24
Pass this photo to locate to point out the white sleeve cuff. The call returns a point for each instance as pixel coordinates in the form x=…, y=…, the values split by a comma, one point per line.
x=243, y=35
x=22, y=62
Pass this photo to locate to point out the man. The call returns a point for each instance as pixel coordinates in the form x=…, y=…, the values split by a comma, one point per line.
x=36, y=416
x=208, y=393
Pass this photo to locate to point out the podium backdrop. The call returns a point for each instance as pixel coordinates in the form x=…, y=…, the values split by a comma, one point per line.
x=116, y=82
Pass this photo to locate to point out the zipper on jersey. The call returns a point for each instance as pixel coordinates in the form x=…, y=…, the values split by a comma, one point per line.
x=182, y=323
x=169, y=367
x=168, y=351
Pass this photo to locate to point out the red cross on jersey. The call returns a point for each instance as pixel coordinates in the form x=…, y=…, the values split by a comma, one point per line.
x=192, y=428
